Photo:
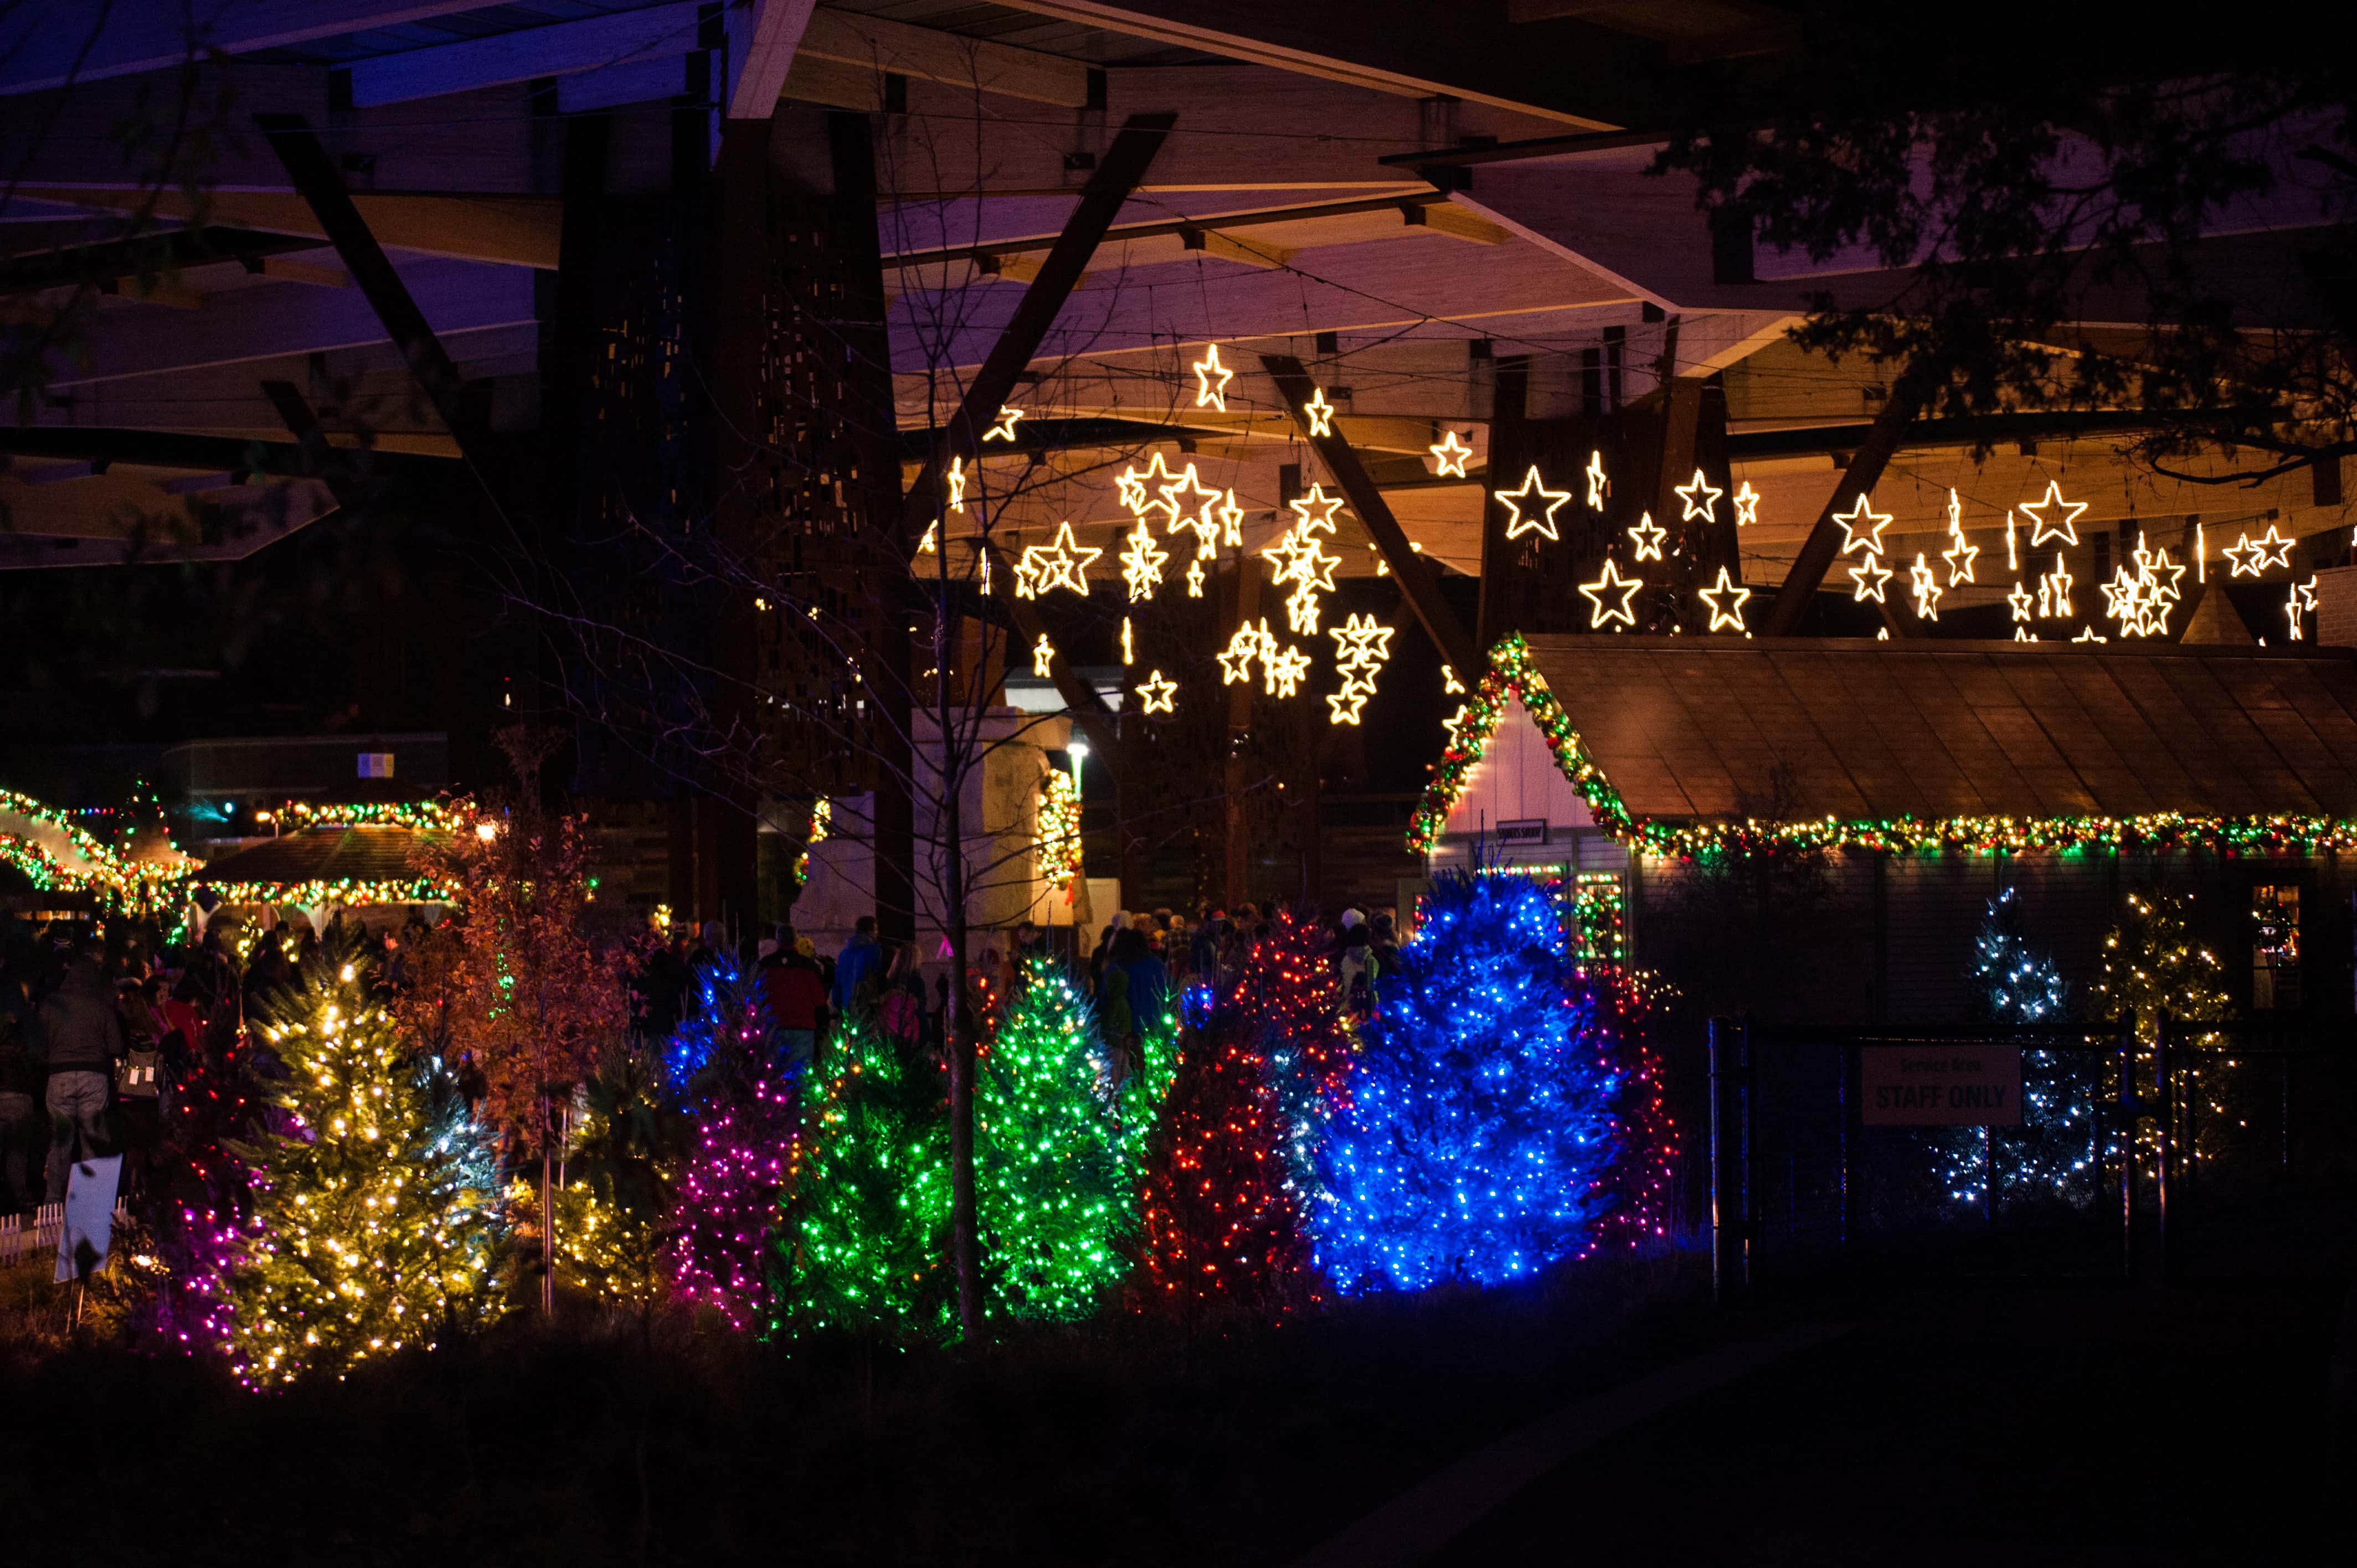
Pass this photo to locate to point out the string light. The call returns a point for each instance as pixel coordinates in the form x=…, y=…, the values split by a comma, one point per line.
x=1248, y=643
x=1232, y=521
x=1747, y=505
x=1534, y=489
x=1187, y=493
x=1862, y=528
x=1128, y=646
x=1141, y=563
x=1043, y=657
x=1362, y=647
x=1342, y=707
x=1726, y=599
x=2251, y=556
x=1959, y=555
x=1211, y=380
x=1319, y=412
x=929, y=545
x=1064, y=564
x=1925, y=586
x=1005, y=429
x=2020, y=599
x=1057, y=808
x=1449, y=684
x=2088, y=634
x=2054, y=592
x=956, y=478
x=1195, y=579
x=1701, y=498
x=1157, y=695
x=1449, y=455
x=1316, y=510
x=2012, y=551
x=1870, y=574
x=1611, y=583
x=1647, y=535
x=1282, y=668
x=2062, y=526
x=1599, y=487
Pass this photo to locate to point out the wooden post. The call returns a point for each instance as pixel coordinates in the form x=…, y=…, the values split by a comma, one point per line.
x=1819, y=551
x=1237, y=838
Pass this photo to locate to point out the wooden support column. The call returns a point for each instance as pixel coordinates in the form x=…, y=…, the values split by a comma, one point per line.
x=1823, y=543
x=1088, y=710
x=1118, y=175
x=1418, y=579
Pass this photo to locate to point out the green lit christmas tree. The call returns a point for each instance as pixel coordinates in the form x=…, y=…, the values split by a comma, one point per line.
x=865, y=1242
x=1054, y=1197
x=376, y=1220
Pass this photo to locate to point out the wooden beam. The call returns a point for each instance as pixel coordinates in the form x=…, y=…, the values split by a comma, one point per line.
x=763, y=36
x=519, y=231
x=1116, y=175
x=42, y=47
x=1445, y=217
x=1088, y=709
x=319, y=461
x=1817, y=551
x=315, y=179
x=1419, y=583
x=1232, y=247
x=155, y=253
x=498, y=59
x=875, y=43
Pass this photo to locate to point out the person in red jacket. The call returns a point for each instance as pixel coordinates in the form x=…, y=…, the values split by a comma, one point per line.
x=794, y=988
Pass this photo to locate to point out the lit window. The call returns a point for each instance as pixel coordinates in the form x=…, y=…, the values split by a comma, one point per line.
x=2275, y=947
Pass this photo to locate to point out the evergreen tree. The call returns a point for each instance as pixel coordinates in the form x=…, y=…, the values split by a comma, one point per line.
x=376, y=1222
x=1055, y=1199
x=205, y=1192
x=1288, y=995
x=2052, y=1154
x=1479, y=1126
x=2154, y=964
x=1137, y=1102
x=1641, y=1184
x=2012, y=984
x=615, y=1205
x=865, y=1242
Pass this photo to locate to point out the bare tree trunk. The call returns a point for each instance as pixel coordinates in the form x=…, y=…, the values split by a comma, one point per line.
x=966, y=1250
x=547, y=1227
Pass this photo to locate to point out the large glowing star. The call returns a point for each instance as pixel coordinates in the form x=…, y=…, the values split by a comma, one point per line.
x=1063, y=564
x=1647, y=535
x=1747, y=505
x=1144, y=492
x=1599, y=487
x=1862, y=528
x=1188, y=493
x=1870, y=574
x=1211, y=380
x=2062, y=525
x=1448, y=454
x=1319, y=412
x=1361, y=642
x=1283, y=669
x=1701, y=498
x=1141, y=563
x=1610, y=583
x=1043, y=657
x=2251, y=556
x=1726, y=598
x=1534, y=490
x=1005, y=429
x=1155, y=697
x=1343, y=706
x=1246, y=645
x=1317, y=509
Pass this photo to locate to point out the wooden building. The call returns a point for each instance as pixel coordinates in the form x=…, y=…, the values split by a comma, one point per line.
x=1813, y=828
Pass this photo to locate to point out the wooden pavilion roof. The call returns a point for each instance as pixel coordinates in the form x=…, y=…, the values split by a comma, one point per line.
x=356, y=853
x=1796, y=730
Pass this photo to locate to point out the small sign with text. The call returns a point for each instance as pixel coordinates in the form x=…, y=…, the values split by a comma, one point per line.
x=1964, y=1085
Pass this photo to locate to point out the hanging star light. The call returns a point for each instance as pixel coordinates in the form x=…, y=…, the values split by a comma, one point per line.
x=1211, y=380
x=1924, y=584
x=982, y=560
x=1648, y=535
x=1342, y=707
x=930, y=544
x=2275, y=550
x=1959, y=555
x=2023, y=634
x=1611, y=583
x=1747, y=505
x=1005, y=429
x=1316, y=510
x=1870, y=574
x=1026, y=584
x=1146, y=492
x=1131, y=484
x=1726, y=598
x=1449, y=454
x=1141, y=563
x=2088, y=634
x=956, y=478
x=1155, y=697
x=2062, y=526
x=1534, y=489
x=1319, y=412
x=1862, y=528
x=2291, y=611
x=2245, y=555
x=1194, y=579
x=1362, y=645
x=1455, y=724
x=2020, y=600
x=1236, y=660
x=2054, y=592
x=1187, y=494
x=1283, y=669
x=1232, y=522
x=1449, y=684
x=2012, y=546
x=1599, y=487
x=2306, y=591
x=1701, y=498
x=1128, y=645
x=1063, y=564
x=1043, y=657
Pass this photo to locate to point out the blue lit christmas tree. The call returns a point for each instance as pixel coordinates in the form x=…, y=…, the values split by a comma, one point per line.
x=1479, y=1125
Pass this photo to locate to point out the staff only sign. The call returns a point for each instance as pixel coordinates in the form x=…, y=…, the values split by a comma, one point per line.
x=1962, y=1085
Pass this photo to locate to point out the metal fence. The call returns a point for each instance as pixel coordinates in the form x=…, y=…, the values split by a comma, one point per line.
x=2133, y=1158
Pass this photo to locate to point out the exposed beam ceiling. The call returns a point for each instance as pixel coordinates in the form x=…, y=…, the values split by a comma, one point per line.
x=42, y=47
x=522, y=230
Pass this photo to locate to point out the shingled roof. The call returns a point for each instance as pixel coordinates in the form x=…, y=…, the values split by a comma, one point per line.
x=369, y=853
x=1726, y=729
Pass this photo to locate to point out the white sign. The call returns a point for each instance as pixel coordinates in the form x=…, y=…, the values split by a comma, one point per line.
x=1964, y=1085
x=90, y=1218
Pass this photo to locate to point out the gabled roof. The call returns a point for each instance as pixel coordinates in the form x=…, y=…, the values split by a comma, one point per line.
x=1689, y=741
x=1704, y=729
x=362, y=863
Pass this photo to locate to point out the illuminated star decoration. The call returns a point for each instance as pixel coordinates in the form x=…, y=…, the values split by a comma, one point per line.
x=2270, y=549
x=1128, y=645
x=2054, y=592
x=1747, y=505
x=1232, y=519
x=2291, y=611
x=1534, y=489
x=1188, y=493
x=1005, y=429
x=2087, y=634
x=1924, y=584
x=2062, y=526
x=2023, y=634
x=1454, y=722
x=1026, y=585
x=1211, y=380
x=1449, y=684
x=2020, y=600
x=1155, y=697
x=2305, y=591
x=2141, y=603
x=1726, y=598
x=1319, y=412
x=1870, y=574
x=1281, y=669
x=1146, y=492
x=1700, y=497
x=2012, y=545
x=1141, y=563
x=957, y=483
x=1611, y=583
x=1043, y=657
x=1317, y=508
x=1597, y=486
x=1249, y=643
x=931, y=541
x=1362, y=646
x=1449, y=454
x=1862, y=528
x=1063, y=564
x=1648, y=535
x=1194, y=579
x=1959, y=555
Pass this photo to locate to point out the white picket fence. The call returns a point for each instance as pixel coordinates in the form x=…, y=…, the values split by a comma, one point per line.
x=19, y=1240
